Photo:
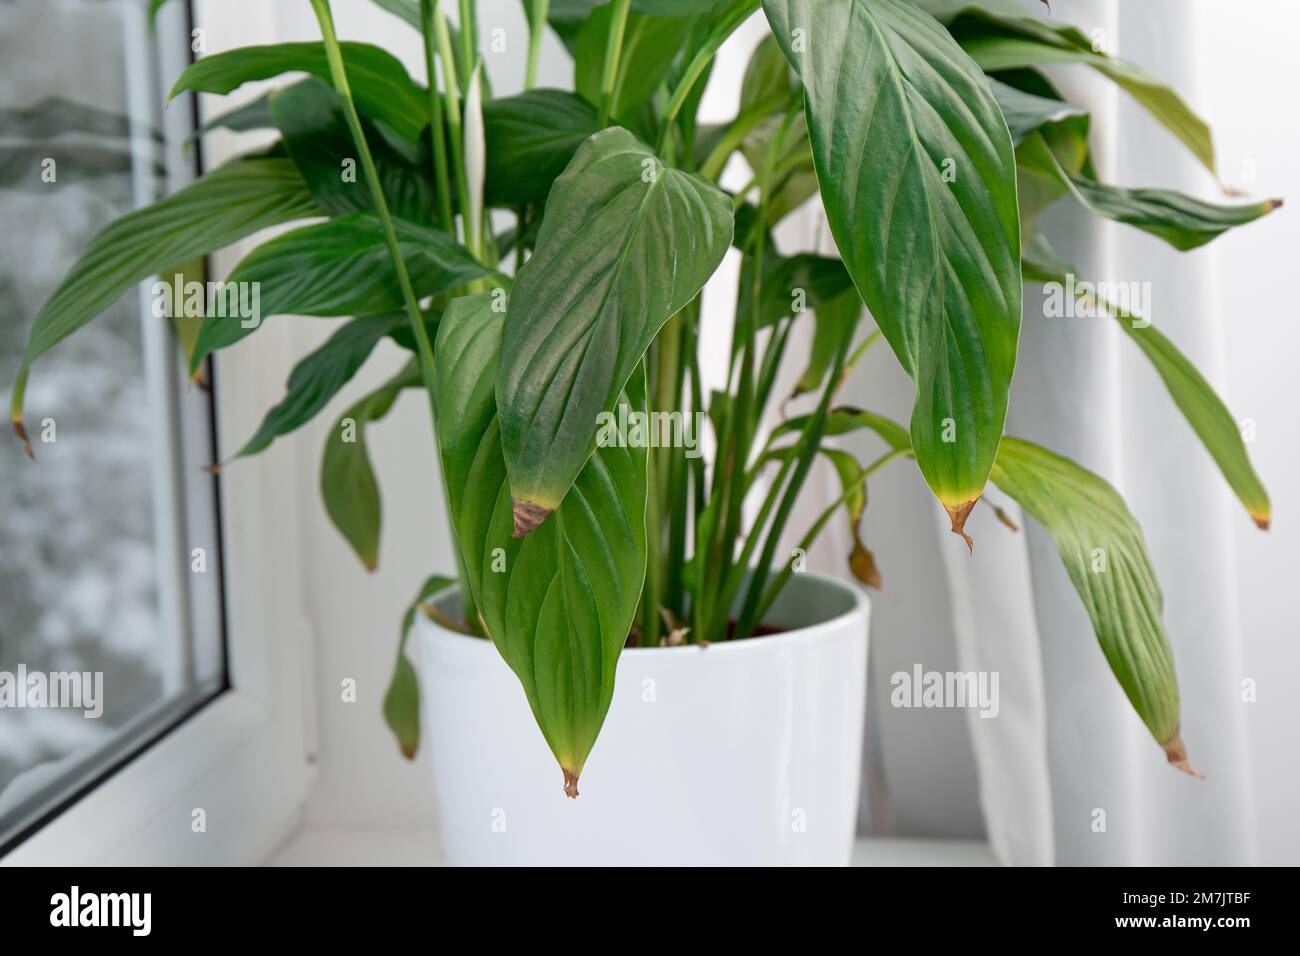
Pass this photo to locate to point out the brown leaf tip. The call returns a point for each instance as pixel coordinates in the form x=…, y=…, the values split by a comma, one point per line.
x=570, y=784
x=528, y=516
x=1261, y=521
x=958, y=516
x=1176, y=754
x=21, y=432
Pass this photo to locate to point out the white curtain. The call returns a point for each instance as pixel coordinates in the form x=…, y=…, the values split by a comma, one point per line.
x=1066, y=753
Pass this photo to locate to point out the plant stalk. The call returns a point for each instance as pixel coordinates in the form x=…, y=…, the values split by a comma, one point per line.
x=536, y=28
x=613, y=54
x=437, y=129
x=424, y=348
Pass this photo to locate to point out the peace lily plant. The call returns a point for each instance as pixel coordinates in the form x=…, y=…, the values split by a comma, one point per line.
x=541, y=255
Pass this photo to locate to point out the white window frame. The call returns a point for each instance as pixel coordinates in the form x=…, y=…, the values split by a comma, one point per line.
x=246, y=759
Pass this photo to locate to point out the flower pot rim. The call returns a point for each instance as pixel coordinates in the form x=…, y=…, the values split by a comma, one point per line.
x=767, y=643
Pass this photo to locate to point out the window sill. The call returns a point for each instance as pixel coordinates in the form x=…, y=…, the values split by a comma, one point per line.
x=392, y=846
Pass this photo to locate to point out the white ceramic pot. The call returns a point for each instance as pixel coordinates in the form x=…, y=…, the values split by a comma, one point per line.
x=740, y=753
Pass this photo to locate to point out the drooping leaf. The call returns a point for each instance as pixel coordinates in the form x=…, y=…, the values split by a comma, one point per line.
x=625, y=244
x=558, y=604
x=402, y=699
x=348, y=487
x=530, y=139
x=318, y=377
x=918, y=180
x=1002, y=39
x=862, y=563
x=223, y=207
x=1180, y=220
x=1194, y=396
x=382, y=88
x=339, y=267
x=1106, y=558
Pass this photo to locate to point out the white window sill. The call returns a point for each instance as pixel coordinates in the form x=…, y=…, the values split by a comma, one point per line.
x=384, y=846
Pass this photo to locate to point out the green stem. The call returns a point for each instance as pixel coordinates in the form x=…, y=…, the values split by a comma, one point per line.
x=613, y=53
x=468, y=40
x=809, y=441
x=424, y=348
x=536, y=28
x=437, y=128
x=713, y=164
x=334, y=57
x=451, y=96
x=654, y=542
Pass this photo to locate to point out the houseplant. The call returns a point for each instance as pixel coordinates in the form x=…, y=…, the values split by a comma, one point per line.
x=934, y=140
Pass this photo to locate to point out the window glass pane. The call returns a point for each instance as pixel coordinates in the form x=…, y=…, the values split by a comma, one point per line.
x=96, y=534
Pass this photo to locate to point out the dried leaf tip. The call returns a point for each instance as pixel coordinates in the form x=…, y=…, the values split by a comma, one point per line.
x=958, y=516
x=528, y=516
x=1261, y=521
x=21, y=432
x=1176, y=754
x=570, y=784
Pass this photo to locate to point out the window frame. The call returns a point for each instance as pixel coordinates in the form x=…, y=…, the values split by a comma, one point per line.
x=244, y=755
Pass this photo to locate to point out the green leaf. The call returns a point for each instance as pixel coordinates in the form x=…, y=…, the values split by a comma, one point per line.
x=255, y=114
x=311, y=119
x=805, y=281
x=650, y=44
x=530, y=139
x=381, y=87
x=1106, y=558
x=1183, y=222
x=1193, y=395
x=1026, y=113
x=559, y=603
x=223, y=207
x=626, y=242
x=318, y=377
x=402, y=699
x=793, y=178
x=1002, y=40
x=918, y=181
x=406, y=10
x=348, y=487
x=336, y=268
x=768, y=83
